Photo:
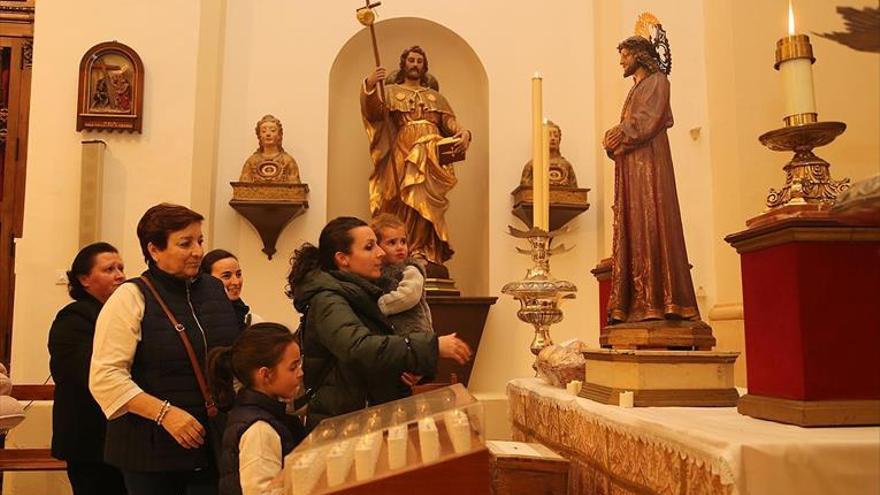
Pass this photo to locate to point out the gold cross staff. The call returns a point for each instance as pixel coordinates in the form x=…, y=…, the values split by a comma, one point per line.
x=366, y=16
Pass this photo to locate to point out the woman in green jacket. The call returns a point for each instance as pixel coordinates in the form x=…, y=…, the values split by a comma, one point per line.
x=352, y=357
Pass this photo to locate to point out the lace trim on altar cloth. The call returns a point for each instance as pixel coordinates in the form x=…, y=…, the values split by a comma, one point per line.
x=611, y=457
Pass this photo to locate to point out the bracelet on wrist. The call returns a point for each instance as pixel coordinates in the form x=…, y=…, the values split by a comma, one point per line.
x=166, y=406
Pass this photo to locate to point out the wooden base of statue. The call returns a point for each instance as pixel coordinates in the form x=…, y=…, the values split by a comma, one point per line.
x=662, y=362
x=269, y=207
x=466, y=473
x=565, y=204
x=438, y=282
x=661, y=378
x=466, y=316
x=811, y=286
x=658, y=334
x=602, y=273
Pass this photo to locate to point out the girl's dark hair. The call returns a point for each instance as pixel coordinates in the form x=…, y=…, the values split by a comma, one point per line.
x=159, y=222
x=335, y=238
x=259, y=345
x=212, y=257
x=82, y=265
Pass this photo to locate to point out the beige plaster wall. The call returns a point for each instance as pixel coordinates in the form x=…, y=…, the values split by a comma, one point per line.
x=723, y=83
x=165, y=163
x=279, y=58
x=139, y=169
x=215, y=67
x=745, y=100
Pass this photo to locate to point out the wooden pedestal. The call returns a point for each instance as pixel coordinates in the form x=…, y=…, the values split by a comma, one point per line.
x=521, y=468
x=658, y=334
x=465, y=316
x=661, y=378
x=269, y=218
x=811, y=286
x=565, y=204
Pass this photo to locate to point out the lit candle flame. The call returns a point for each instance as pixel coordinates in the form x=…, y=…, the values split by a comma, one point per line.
x=537, y=75
x=790, y=19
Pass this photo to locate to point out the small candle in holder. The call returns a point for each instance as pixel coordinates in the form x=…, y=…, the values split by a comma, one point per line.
x=794, y=61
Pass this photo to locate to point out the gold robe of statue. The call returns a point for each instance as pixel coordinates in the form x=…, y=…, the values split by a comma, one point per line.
x=408, y=179
x=651, y=277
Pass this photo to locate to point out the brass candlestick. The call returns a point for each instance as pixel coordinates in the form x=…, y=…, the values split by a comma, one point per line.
x=807, y=177
x=808, y=180
x=539, y=293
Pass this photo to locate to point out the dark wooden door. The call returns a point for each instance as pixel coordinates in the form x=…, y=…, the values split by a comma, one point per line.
x=16, y=55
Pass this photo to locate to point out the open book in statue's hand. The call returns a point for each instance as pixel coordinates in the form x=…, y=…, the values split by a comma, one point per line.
x=448, y=152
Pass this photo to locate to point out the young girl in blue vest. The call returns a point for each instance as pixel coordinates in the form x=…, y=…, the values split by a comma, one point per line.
x=266, y=360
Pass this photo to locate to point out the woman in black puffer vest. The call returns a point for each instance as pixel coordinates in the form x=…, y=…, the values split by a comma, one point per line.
x=141, y=374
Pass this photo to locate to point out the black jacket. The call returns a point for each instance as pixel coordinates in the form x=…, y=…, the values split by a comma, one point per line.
x=78, y=425
x=346, y=333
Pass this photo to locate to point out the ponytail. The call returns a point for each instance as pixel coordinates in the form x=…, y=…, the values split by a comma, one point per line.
x=259, y=345
x=304, y=260
x=221, y=376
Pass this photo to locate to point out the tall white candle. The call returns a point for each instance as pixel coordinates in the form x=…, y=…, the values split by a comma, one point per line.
x=545, y=176
x=797, y=82
x=537, y=154
x=794, y=59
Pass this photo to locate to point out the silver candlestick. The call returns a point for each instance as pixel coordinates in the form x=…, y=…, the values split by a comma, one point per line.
x=540, y=294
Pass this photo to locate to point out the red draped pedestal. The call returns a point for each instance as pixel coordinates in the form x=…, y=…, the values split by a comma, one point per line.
x=811, y=298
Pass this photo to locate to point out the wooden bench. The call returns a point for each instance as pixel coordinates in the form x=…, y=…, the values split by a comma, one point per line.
x=30, y=459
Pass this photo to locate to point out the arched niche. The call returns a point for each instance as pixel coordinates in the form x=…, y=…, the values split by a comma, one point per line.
x=464, y=83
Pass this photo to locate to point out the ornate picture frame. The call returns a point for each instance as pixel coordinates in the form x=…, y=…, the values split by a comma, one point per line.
x=111, y=89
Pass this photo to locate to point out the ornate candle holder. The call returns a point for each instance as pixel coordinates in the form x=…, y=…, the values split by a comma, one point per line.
x=807, y=177
x=540, y=294
x=808, y=182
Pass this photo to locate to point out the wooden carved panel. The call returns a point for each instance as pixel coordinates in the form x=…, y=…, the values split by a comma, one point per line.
x=111, y=89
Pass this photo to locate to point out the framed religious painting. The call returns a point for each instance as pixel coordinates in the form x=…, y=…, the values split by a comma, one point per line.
x=111, y=89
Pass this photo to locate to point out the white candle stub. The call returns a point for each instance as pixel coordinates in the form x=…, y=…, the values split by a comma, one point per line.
x=304, y=472
x=366, y=454
x=339, y=462
x=397, y=446
x=459, y=430
x=429, y=440
x=626, y=399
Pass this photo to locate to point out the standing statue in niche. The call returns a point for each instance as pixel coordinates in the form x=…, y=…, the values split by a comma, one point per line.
x=270, y=163
x=650, y=273
x=414, y=139
x=561, y=172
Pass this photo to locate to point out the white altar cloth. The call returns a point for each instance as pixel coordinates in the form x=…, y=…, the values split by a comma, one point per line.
x=750, y=456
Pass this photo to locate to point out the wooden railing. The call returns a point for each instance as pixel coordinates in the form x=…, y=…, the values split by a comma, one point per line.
x=30, y=459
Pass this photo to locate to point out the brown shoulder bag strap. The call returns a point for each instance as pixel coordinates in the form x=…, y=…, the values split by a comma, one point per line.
x=181, y=331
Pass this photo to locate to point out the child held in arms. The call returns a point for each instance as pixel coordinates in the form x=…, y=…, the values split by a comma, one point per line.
x=403, y=284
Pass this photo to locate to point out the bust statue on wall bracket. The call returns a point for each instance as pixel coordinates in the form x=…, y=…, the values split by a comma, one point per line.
x=270, y=163
x=269, y=193
x=566, y=199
